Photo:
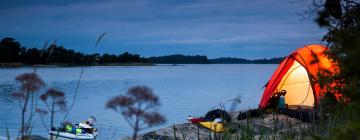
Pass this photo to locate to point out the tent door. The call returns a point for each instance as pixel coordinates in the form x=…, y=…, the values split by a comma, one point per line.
x=297, y=84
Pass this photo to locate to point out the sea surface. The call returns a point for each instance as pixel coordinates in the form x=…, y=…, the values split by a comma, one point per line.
x=183, y=90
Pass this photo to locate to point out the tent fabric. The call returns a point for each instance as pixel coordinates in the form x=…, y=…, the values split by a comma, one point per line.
x=298, y=74
x=297, y=78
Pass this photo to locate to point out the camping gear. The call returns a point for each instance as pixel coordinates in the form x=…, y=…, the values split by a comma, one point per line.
x=213, y=126
x=281, y=102
x=213, y=120
x=251, y=113
x=297, y=74
x=217, y=113
x=196, y=120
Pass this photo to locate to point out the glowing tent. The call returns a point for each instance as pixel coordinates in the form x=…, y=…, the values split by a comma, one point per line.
x=294, y=75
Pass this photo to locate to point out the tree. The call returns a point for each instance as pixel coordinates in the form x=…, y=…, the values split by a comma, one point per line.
x=138, y=107
x=9, y=50
x=344, y=41
x=180, y=59
x=342, y=20
x=30, y=84
x=32, y=56
x=54, y=101
x=106, y=58
x=128, y=57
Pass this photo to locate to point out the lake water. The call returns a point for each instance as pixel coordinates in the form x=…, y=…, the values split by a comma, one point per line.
x=183, y=90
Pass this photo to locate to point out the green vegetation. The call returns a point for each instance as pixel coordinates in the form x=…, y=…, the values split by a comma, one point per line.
x=342, y=19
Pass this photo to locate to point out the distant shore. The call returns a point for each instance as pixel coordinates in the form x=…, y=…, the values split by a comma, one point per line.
x=14, y=65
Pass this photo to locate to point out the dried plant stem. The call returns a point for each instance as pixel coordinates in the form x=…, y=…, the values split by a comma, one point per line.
x=75, y=95
x=174, y=128
x=80, y=78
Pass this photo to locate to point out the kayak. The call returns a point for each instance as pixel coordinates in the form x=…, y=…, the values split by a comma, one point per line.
x=196, y=120
x=56, y=135
x=213, y=126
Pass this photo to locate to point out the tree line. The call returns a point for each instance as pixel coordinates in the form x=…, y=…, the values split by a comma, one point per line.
x=232, y=60
x=11, y=51
x=202, y=59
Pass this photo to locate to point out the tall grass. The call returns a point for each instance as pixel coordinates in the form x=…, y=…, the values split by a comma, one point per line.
x=31, y=96
x=282, y=127
x=174, y=130
x=7, y=133
x=80, y=78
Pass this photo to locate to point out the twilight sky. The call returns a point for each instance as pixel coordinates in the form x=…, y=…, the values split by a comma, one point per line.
x=236, y=28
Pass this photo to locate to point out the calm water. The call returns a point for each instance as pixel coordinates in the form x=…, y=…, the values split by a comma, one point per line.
x=183, y=90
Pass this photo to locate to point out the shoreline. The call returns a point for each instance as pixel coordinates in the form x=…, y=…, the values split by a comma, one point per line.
x=55, y=65
x=21, y=65
x=265, y=125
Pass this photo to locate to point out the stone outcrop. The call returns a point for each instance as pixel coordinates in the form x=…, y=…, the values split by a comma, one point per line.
x=267, y=125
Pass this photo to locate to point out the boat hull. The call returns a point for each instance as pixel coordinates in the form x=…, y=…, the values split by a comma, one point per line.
x=55, y=135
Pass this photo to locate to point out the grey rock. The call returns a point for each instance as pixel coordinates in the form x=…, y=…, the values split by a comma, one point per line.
x=266, y=126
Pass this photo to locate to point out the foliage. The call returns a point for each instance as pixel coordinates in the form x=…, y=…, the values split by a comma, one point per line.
x=231, y=60
x=201, y=59
x=12, y=51
x=30, y=84
x=138, y=107
x=342, y=19
x=122, y=58
x=9, y=49
x=54, y=101
x=180, y=59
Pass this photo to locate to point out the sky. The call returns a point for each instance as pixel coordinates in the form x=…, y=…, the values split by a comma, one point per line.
x=217, y=28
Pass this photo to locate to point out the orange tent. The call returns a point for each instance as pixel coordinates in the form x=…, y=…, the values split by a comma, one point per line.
x=297, y=74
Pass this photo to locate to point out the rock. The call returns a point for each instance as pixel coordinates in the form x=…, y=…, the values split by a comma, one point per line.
x=186, y=131
x=267, y=125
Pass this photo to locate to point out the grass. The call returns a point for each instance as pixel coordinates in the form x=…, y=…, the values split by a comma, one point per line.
x=270, y=126
x=8, y=134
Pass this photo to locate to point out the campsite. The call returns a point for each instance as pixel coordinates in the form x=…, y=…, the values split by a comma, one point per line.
x=179, y=69
x=302, y=96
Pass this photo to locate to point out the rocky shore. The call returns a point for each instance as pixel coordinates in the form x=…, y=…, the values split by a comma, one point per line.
x=265, y=126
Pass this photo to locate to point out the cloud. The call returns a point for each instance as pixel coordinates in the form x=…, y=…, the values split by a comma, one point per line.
x=136, y=25
x=289, y=37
